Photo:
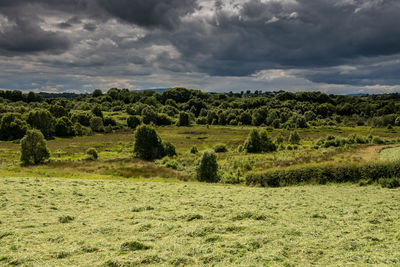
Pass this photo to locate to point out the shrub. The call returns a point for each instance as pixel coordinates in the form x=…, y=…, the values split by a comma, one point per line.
x=33, y=148
x=42, y=120
x=96, y=124
x=377, y=140
x=194, y=150
x=168, y=149
x=393, y=182
x=207, y=167
x=294, y=138
x=96, y=110
x=184, y=119
x=172, y=164
x=133, y=121
x=64, y=127
x=220, y=148
x=324, y=173
x=92, y=153
x=109, y=121
x=257, y=142
x=12, y=126
x=148, y=145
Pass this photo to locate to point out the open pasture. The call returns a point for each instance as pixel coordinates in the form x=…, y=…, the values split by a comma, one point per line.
x=66, y=222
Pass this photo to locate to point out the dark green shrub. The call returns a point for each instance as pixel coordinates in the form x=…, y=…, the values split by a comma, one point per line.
x=42, y=120
x=259, y=142
x=96, y=110
x=96, y=124
x=377, y=140
x=92, y=153
x=109, y=121
x=184, y=119
x=393, y=182
x=148, y=145
x=294, y=138
x=12, y=126
x=33, y=148
x=64, y=127
x=207, y=167
x=220, y=148
x=324, y=173
x=194, y=150
x=133, y=121
x=168, y=149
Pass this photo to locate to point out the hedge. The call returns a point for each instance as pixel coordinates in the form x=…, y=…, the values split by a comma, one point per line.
x=323, y=173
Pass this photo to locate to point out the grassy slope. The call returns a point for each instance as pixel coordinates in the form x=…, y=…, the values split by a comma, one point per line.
x=196, y=224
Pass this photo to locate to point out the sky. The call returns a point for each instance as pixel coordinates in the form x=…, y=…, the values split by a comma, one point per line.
x=333, y=46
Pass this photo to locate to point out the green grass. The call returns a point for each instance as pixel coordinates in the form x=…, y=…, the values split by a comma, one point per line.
x=65, y=222
x=115, y=153
x=390, y=153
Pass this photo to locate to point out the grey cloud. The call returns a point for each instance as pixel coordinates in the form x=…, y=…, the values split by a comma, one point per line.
x=149, y=13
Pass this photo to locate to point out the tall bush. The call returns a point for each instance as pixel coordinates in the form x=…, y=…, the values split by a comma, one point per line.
x=33, y=148
x=207, y=167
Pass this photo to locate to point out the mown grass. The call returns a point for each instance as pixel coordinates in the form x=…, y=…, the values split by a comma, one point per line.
x=64, y=222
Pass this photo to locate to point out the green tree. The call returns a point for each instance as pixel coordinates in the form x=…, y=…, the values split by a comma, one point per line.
x=64, y=127
x=133, y=121
x=253, y=142
x=96, y=123
x=294, y=138
x=12, y=126
x=148, y=145
x=42, y=120
x=184, y=119
x=96, y=110
x=207, y=167
x=33, y=148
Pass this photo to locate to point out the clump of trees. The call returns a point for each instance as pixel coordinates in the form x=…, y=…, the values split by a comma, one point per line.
x=33, y=148
x=258, y=142
x=149, y=146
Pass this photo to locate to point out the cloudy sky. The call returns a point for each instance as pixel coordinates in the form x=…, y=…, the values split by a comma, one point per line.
x=335, y=46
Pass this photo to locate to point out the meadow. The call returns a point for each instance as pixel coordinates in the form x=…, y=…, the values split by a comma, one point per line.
x=116, y=161
x=69, y=222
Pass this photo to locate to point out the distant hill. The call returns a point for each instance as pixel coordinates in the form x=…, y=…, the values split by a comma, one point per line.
x=60, y=95
x=158, y=90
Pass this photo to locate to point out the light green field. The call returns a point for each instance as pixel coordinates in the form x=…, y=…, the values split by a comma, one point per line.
x=65, y=222
x=390, y=153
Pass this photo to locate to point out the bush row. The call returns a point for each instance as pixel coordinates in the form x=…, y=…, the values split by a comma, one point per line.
x=323, y=173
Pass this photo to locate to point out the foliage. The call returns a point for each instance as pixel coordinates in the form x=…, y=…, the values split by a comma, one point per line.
x=220, y=148
x=207, y=167
x=294, y=138
x=148, y=145
x=168, y=149
x=42, y=120
x=194, y=150
x=12, y=126
x=259, y=142
x=33, y=148
x=133, y=121
x=184, y=119
x=324, y=173
x=64, y=127
x=96, y=124
x=92, y=153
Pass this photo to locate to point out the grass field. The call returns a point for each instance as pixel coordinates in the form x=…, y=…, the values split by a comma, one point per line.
x=116, y=162
x=65, y=222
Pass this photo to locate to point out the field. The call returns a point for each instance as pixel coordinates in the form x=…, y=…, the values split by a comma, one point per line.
x=123, y=211
x=67, y=222
x=116, y=162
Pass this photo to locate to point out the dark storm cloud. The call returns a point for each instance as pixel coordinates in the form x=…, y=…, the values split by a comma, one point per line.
x=289, y=34
x=149, y=13
x=349, y=42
